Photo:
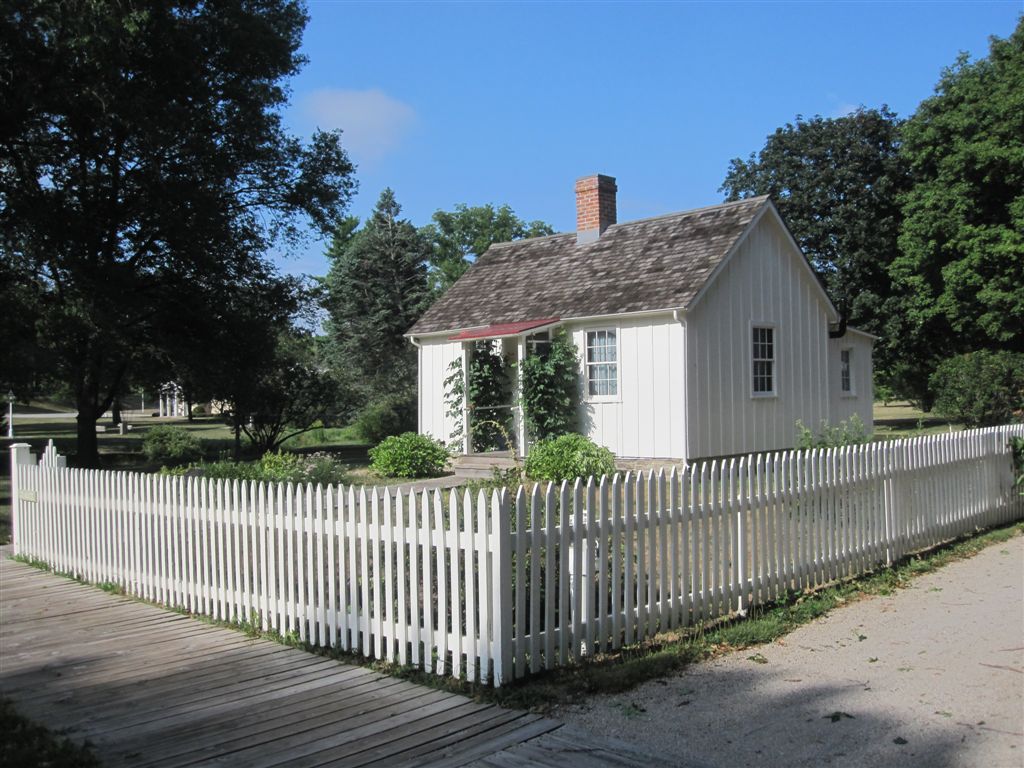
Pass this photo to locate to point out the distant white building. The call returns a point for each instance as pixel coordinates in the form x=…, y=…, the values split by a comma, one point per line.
x=172, y=401
x=701, y=333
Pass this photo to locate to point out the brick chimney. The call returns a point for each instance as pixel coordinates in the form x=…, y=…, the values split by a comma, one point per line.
x=595, y=207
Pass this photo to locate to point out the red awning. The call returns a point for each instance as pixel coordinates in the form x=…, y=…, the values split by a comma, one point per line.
x=503, y=329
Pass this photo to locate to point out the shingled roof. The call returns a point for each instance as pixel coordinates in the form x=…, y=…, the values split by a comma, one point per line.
x=657, y=263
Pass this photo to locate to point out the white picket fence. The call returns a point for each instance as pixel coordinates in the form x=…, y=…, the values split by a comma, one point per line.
x=491, y=587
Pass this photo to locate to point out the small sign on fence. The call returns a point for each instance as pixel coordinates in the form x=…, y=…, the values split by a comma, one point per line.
x=28, y=495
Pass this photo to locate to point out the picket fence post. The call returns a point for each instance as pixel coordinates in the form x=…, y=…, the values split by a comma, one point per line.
x=20, y=456
x=501, y=560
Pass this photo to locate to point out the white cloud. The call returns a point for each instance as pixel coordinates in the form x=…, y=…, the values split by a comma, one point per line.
x=842, y=110
x=373, y=122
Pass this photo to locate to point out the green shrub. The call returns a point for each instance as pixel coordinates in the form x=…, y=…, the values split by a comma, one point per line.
x=409, y=455
x=980, y=388
x=568, y=457
x=848, y=432
x=279, y=467
x=171, y=445
x=175, y=471
x=199, y=410
x=386, y=417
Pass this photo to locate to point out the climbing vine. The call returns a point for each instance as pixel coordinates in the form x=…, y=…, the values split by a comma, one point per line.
x=454, y=391
x=551, y=392
x=489, y=394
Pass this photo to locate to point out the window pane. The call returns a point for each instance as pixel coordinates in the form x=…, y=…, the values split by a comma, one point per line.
x=601, y=358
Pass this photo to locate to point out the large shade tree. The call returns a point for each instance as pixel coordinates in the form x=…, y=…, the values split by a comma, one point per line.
x=960, y=268
x=144, y=170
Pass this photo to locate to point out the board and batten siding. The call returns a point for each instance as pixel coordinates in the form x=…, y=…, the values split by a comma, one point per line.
x=861, y=399
x=435, y=356
x=647, y=418
x=762, y=284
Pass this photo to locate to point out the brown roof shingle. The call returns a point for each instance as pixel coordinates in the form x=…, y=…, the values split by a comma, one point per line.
x=657, y=263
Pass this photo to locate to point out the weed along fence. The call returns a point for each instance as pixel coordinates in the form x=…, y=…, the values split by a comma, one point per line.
x=494, y=586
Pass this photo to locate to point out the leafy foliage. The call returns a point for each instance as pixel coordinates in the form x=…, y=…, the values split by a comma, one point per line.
x=144, y=170
x=386, y=416
x=961, y=260
x=550, y=383
x=847, y=432
x=290, y=394
x=464, y=234
x=568, y=457
x=409, y=455
x=1017, y=450
x=980, y=388
x=172, y=445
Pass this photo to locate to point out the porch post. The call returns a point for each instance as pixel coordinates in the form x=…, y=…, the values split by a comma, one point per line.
x=467, y=441
x=519, y=410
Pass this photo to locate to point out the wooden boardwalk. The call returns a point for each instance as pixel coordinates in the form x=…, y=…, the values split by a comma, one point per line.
x=148, y=687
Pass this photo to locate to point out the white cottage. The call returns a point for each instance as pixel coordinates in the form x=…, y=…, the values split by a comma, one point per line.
x=701, y=333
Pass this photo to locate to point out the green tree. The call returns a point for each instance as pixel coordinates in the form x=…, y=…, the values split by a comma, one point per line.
x=144, y=166
x=960, y=267
x=460, y=236
x=375, y=290
x=836, y=182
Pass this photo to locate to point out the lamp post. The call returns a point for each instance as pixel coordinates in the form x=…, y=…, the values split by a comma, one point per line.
x=10, y=414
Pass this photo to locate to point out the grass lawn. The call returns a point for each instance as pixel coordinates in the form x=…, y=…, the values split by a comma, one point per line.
x=904, y=420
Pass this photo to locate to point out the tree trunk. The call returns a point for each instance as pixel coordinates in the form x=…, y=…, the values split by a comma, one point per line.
x=188, y=409
x=88, y=452
x=238, y=440
x=115, y=412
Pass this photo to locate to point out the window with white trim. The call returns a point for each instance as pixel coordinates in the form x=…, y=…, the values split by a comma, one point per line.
x=602, y=363
x=763, y=357
x=845, y=377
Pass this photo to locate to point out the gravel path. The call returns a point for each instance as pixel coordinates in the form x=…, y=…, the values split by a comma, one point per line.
x=930, y=676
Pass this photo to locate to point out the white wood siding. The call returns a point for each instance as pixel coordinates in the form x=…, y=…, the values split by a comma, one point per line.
x=762, y=283
x=647, y=418
x=435, y=357
x=861, y=400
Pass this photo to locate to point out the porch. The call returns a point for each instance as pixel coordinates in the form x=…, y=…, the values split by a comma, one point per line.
x=494, y=425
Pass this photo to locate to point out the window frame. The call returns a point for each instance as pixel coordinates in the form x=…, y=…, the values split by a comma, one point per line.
x=847, y=369
x=617, y=397
x=756, y=325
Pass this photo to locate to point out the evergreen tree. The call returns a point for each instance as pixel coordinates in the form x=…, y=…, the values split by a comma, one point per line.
x=375, y=290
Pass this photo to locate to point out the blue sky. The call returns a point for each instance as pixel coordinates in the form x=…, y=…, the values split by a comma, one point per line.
x=510, y=103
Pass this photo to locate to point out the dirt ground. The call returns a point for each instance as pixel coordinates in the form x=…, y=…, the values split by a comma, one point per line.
x=932, y=675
